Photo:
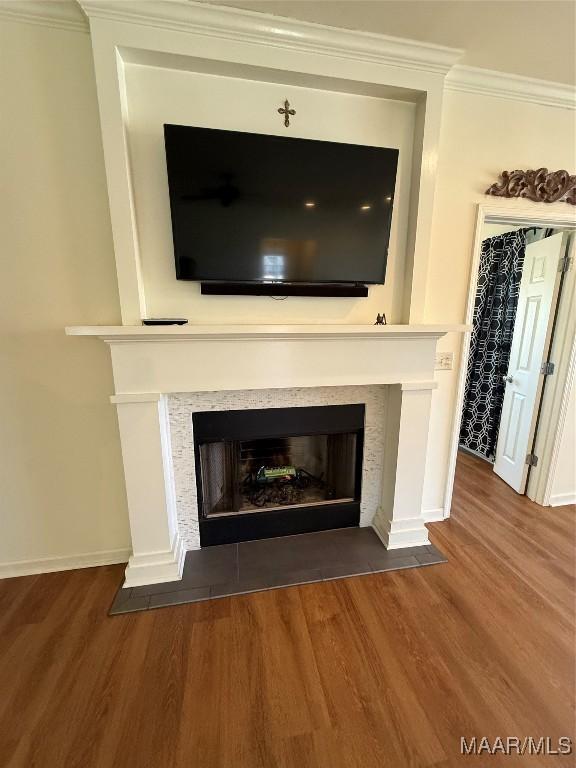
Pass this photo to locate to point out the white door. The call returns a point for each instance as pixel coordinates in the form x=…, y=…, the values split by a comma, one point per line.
x=540, y=278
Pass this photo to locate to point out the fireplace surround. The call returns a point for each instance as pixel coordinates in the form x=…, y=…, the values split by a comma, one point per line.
x=153, y=365
x=183, y=406
x=269, y=472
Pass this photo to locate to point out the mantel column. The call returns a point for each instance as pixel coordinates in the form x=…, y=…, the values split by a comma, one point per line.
x=399, y=520
x=157, y=550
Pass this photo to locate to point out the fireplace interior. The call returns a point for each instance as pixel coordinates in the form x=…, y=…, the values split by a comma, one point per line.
x=277, y=471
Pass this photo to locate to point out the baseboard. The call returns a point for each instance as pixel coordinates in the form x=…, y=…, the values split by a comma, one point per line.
x=433, y=515
x=156, y=567
x=64, y=563
x=401, y=533
x=560, y=499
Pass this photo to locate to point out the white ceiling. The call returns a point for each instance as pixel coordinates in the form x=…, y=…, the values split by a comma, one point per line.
x=534, y=38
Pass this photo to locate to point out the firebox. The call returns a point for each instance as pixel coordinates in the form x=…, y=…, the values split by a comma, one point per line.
x=277, y=471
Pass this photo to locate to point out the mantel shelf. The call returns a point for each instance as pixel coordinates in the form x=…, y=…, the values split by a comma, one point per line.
x=113, y=333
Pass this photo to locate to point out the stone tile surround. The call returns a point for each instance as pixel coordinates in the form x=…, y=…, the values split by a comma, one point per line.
x=181, y=406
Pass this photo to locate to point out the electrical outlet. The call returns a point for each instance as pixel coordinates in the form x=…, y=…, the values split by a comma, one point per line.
x=444, y=361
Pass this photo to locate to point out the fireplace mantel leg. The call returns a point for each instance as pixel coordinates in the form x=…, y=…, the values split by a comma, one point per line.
x=399, y=520
x=157, y=550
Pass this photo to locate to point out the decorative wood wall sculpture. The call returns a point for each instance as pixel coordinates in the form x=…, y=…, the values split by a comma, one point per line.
x=539, y=186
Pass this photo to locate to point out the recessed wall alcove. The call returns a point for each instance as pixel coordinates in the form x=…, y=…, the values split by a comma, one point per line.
x=188, y=63
x=248, y=101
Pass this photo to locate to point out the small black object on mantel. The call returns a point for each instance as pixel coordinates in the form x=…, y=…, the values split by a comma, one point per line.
x=164, y=321
x=381, y=319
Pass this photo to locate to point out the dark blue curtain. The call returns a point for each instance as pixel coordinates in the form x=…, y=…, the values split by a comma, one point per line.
x=501, y=261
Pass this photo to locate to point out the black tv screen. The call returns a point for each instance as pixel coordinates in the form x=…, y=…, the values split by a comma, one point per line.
x=252, y=208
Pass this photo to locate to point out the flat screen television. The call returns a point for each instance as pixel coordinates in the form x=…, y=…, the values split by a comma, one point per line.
x=255, y=210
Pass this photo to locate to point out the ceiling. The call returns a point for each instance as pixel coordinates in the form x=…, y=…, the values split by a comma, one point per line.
x=534, y=38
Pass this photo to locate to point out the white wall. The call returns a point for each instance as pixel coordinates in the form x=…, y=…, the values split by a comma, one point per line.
x=481, y=136
x=62, y=491
x=157, y=96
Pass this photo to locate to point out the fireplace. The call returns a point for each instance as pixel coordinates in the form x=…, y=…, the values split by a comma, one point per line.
x=163, y=376
x=277, y=471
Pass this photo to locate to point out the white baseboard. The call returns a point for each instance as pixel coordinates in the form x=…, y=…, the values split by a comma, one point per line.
x=65, y=563
x=398, y=534
x=433, y=515
x=156, y=567
x=560, y=499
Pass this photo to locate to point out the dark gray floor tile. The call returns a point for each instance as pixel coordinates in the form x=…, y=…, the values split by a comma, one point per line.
x=312, y=546
x=123, y=594
x=287, y=551
x=340, y=571
x=130, y=605
x=428, y=553
x=358, y=549
x=196, y=558
x=430, y=558
x=266, y=568
x=310, y=551
x=157, y=589
x=212, y=565
x=395, y=564
x=178, y=598
x=270, y=581
x=290, y=578
x=240, y=587
x=406, y=552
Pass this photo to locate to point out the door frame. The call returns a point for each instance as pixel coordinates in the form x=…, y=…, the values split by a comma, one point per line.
x=556, y=395
x=516, y=215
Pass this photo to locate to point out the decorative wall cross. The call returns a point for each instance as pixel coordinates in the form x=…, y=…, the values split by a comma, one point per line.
x=287, y=112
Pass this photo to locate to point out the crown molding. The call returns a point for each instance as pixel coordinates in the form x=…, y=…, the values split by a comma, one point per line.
x=47, y=13
x=265, y=29
x=488, y=82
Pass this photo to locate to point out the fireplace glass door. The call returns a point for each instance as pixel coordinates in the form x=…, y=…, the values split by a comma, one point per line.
x=287, y=469
x=243, y=476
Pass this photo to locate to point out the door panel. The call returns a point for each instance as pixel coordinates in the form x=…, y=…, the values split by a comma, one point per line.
x=528, y=336
x=510, y=451
x=540, y=279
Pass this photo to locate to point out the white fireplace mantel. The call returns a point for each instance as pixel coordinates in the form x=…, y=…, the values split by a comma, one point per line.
x=212, y=358
x=150, y=363
x=243, y=332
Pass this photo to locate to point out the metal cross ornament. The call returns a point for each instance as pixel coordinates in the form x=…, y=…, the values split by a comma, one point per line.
x=287, y=112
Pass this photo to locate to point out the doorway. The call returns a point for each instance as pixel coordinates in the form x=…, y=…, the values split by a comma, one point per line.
x=520, y=294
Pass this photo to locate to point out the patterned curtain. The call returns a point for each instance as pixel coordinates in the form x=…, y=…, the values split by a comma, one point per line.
x=501, y=261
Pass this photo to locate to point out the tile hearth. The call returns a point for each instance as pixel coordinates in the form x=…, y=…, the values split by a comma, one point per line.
x=253, y=566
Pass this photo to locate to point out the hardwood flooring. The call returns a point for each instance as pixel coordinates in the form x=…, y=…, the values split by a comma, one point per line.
x=373, y=671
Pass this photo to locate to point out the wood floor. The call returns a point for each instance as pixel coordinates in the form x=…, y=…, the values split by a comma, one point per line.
x=382, y=670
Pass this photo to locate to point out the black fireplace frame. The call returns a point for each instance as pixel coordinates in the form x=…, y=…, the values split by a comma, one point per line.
x=252, y=424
